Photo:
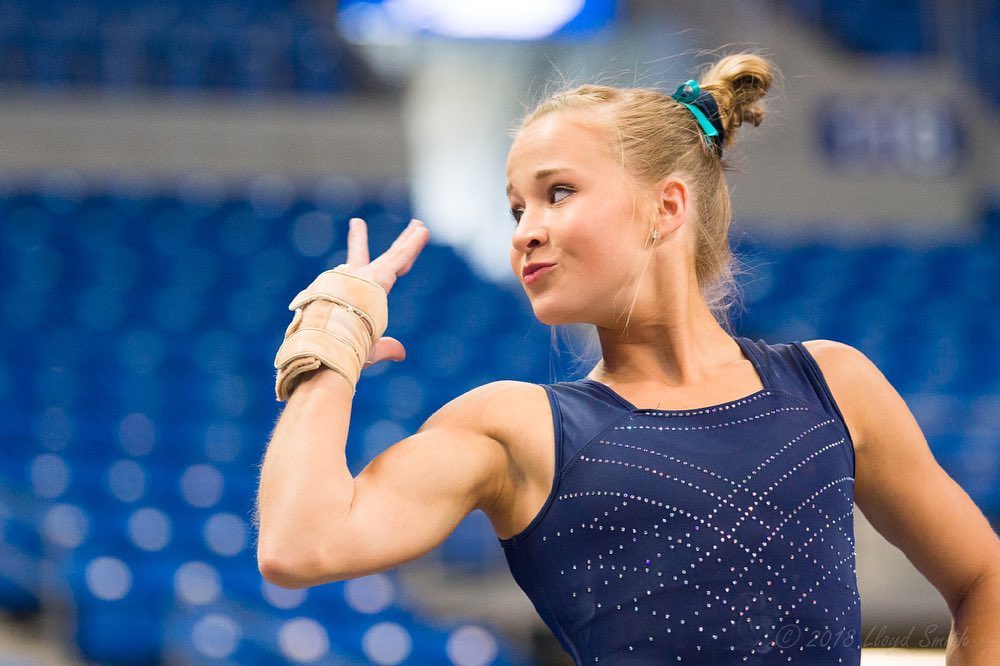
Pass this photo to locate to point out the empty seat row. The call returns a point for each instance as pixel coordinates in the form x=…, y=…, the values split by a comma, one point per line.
x=264, y=46
x=137, y=337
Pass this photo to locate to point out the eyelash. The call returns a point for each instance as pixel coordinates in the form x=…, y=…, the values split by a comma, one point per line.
x=517, y=212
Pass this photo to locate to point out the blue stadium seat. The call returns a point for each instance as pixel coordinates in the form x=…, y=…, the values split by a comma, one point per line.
x=139, y=327
x=473, y=546
x=119, y=605
x=21, y=551
x=178, y=44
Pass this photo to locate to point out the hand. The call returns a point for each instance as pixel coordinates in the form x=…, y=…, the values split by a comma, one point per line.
x=384, y=270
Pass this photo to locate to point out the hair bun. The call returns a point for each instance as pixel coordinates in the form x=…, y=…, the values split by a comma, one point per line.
x=738, y=83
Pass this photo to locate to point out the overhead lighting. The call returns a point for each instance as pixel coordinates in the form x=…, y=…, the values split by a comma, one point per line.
x=461, y=19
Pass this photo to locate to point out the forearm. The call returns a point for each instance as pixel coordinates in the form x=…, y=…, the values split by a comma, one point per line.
x=975, y=632
x=306, y=492
x=305, y=484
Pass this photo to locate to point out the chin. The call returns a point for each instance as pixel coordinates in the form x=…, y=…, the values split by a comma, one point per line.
x=554, y=316
x=548, y=321
x=545, y=316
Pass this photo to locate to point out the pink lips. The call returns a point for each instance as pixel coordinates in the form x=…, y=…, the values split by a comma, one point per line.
x=537, y=273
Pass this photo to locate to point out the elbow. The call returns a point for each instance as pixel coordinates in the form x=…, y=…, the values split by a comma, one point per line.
x=288, y=568
x=281, y=572
x=295, y=556
x=985, y=585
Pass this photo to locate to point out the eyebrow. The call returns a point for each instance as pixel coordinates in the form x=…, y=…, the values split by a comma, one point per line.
x=541, y=174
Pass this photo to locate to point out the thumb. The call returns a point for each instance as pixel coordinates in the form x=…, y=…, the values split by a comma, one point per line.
x=386, y=349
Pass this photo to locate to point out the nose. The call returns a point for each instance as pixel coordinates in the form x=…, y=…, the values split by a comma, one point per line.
x=529, y=234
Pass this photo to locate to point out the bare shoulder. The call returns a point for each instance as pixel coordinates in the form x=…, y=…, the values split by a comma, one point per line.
x=839, y=352
x=854, y=381
x=497, y=409
x=838, y=358
x=517, y=415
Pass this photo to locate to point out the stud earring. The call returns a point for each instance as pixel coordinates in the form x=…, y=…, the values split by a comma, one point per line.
x=655, y=235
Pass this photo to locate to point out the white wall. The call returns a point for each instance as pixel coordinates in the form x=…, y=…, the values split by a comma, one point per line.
x=164, y=135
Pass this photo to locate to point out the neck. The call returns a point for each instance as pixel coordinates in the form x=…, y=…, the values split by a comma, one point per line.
x=680, y=344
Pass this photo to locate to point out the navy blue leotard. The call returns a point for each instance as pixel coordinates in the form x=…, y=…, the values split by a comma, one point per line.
x=716, y=535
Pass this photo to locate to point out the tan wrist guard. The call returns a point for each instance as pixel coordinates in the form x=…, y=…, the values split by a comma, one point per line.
x=338, y=318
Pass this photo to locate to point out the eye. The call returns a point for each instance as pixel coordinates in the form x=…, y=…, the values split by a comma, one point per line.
x=516, y=214
x=559, y=192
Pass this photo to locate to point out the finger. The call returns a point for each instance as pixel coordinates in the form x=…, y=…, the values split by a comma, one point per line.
x=399, y=258
x=421, y=236
x=386, y=349
x=357, y=243
x=411, y=228
x=403, y=236
x=403, y=251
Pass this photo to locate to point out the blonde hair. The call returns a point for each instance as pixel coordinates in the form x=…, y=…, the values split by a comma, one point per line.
x=657, y=136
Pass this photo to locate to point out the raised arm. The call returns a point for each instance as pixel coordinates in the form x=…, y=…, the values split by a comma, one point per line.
x=317, y=523
x=915, y=505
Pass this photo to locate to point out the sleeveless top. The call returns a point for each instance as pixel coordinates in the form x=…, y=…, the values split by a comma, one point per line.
x=723, y=534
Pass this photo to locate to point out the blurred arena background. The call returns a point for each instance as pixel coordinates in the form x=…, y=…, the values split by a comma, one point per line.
x=173, y=171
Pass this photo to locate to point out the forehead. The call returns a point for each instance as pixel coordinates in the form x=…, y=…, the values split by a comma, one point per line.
x=571, y=138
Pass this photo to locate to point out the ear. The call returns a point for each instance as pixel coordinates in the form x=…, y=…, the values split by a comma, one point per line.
x=673, y=204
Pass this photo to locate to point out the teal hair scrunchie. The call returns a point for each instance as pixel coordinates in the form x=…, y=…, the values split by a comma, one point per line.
x=705, y=110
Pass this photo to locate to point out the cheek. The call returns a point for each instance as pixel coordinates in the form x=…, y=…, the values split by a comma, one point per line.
x=606, y=245
x=611, y=258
